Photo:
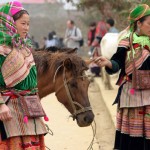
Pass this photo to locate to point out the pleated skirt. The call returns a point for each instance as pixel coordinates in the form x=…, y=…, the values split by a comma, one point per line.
x=23, y=143
x=133, y=129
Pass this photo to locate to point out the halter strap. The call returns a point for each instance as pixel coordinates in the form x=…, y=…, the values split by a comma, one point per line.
x=71, y=101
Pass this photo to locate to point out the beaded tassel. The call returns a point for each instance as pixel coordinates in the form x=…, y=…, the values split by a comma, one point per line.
x=46, y=118
x=132, y=91
x=25, y=119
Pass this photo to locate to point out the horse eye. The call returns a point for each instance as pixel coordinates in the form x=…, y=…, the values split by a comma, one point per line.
x=74, y=84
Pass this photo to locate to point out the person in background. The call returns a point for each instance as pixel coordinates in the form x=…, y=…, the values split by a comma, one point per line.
x=94, y=68
x=72, y=35
x=49, y=41
x=18, y=77
x=101, y=30
x=35, y=44
x=43, y=43
x=56, y=40
x=110, y=24
x=133, y=54
x=91, y=35
x=53, y=40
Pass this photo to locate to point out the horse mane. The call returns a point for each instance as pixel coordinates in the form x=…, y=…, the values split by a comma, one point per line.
x=58, y=49
x=46, y=60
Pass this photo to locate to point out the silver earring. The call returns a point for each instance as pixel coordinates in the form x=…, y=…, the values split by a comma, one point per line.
x=138, y=30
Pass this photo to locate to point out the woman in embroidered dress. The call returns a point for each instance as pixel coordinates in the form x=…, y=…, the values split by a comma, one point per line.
x=18, y=71
x=133, y=114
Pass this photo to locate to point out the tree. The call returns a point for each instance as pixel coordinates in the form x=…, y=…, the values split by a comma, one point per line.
x=117, y=9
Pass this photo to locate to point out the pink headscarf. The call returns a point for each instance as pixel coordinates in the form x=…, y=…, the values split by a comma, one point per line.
x=8, y=31
x=16, y=6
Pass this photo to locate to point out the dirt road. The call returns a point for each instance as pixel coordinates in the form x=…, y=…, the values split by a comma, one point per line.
x=68, y=136
x=105, y=127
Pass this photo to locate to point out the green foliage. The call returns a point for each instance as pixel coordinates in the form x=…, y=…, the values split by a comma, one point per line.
x=146, y=2
x=117, y=4
x=117, y=9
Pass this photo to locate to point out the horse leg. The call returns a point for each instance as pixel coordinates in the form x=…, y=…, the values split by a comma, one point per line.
x=107, y=82
x=103, y=74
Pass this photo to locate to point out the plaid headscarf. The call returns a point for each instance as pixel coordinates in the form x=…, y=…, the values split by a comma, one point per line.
x=8, y=31
x=137, y=13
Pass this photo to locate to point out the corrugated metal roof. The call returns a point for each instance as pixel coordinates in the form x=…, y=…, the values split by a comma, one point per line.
x=29, y=1
x=37, y=1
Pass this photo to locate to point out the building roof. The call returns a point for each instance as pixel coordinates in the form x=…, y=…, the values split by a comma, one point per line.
x=37, y=1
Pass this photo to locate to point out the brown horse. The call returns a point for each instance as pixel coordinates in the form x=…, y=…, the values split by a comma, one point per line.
x=63, y=74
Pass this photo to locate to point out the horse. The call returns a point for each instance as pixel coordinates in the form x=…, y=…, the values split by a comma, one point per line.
x=108, y=47
x=64, y=74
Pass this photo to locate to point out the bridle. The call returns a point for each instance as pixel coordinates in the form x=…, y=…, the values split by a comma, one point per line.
x=71, y=101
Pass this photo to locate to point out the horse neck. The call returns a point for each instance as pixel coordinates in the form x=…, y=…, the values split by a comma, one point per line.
x=45, y=84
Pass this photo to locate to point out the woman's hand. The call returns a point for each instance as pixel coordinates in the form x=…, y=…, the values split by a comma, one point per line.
x=88, y=61
x=103, y=62
x=5, y=114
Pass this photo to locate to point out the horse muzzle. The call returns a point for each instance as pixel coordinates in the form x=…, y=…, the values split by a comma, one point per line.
x=85, y=119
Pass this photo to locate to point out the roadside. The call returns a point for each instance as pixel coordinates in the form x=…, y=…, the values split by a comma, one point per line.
x=109, y=96
x=105, y=126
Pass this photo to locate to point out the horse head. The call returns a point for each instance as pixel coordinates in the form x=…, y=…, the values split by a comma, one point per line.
x=71, y=88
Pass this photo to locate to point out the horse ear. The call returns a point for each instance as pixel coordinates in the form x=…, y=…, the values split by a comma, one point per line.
x=68, y=64
x=74, y=50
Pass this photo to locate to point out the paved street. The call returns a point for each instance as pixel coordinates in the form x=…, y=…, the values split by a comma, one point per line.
x=67, y=135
